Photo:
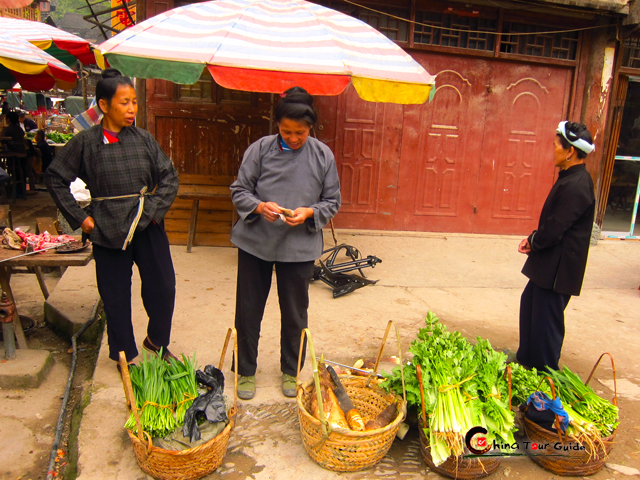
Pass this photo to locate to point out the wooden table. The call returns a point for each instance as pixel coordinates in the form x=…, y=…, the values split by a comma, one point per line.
x=215, y=189
x=35, y=261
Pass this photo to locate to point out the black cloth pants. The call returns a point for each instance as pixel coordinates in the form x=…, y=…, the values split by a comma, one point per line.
x=254, y=283
x=541, y=327
x=149, y=250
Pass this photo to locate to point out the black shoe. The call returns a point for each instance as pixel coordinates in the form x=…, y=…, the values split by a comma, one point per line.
x=166, y=354
x=129, y=365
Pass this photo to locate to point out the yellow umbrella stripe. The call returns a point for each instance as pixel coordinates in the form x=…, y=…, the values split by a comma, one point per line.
x=20, y=66
x=99, y=59
x=389, y=91
x=41, y=44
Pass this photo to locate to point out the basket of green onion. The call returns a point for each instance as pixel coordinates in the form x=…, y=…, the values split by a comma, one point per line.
x=162, y=395
x=587, y=442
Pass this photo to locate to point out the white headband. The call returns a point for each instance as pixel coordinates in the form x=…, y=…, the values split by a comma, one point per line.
x=579, y=143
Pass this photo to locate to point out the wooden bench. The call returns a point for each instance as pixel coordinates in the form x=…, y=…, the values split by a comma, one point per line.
x=214, y=190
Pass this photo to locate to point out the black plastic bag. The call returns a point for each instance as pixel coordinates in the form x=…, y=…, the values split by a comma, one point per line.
x=209, y=405
x=544, y=418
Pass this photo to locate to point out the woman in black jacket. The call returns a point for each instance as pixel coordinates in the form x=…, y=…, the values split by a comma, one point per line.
x=557, y=251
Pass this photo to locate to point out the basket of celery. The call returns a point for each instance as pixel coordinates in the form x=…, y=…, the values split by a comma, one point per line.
x=161, y=411
x=458, y=467
x=343, y=449
x=460, y=386
x=586, y=444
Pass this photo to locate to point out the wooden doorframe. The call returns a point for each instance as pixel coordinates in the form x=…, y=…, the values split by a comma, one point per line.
x=615, y=118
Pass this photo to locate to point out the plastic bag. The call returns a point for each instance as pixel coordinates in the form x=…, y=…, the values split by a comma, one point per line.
x=209, y=405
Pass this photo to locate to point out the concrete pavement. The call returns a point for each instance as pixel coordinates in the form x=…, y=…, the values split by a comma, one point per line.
x=473, y=283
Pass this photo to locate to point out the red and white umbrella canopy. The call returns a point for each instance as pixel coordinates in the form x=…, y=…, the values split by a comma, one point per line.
x=21, y=62
x=15, y=3
x=65, y=46
x=269, y=46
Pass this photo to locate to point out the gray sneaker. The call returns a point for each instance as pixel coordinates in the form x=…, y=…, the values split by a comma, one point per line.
x=247, y=387
x=289, y=385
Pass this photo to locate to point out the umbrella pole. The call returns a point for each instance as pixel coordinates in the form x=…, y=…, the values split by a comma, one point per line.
x=271, y=116
x=83, y=79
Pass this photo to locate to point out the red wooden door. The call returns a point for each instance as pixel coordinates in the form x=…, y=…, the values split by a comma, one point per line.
x=476, y=159
x=441, y=142
x=524, y=106
x=366, y=142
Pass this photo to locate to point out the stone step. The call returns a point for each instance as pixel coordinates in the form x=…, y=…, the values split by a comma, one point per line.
x=70, y=305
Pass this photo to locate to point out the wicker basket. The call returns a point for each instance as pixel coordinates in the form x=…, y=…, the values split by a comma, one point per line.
x=188, y=464
x=460, y=468
x=580, y=462
x=341, y=449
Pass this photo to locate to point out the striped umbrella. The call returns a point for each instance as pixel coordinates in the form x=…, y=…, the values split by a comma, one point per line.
x=65, y=46
x=269, y=46
x=21, y=62
x=15, y=3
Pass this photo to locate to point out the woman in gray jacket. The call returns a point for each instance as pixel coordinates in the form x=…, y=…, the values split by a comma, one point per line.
x=287, y=190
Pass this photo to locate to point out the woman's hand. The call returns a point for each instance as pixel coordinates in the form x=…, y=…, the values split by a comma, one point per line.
x=88, y=225
x=299, y=216
x=269, y=210
x=524, y=246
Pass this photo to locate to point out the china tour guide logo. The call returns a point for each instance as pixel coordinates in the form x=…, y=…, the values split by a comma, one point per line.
x=480, y=441
x=477, y=443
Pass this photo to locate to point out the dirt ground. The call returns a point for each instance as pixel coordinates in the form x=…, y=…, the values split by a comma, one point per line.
x=28, y=417
x=471, y=282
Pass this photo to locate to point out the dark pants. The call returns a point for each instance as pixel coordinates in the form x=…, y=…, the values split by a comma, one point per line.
x=541, y=327
x=254, y=283
x=149, y=250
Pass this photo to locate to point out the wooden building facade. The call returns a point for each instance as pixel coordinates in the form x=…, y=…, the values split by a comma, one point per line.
x=476, y=159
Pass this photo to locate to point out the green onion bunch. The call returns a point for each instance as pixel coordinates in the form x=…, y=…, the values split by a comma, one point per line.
x=585, y=402
x=183, y=385
x=160, y=391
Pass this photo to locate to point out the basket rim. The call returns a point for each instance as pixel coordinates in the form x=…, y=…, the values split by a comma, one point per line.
x=345, y=431
x=226, y=431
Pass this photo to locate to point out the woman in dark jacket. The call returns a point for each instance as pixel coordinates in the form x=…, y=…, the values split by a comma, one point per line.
x=132, y=183
x=557, y=251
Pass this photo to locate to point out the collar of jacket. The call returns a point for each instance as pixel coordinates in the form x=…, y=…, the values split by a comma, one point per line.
x=572, y=170
x=97, y=132
x=294, y=151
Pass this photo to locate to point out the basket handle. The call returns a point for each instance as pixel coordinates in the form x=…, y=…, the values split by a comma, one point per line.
x=384, y=341
x=553, y=392
x=326, y=427
x=615, y=386
x=235, y=361
x=128, y=393
x=507, y=372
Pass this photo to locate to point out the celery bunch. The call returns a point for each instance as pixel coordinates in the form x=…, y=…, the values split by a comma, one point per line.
x=464, y=387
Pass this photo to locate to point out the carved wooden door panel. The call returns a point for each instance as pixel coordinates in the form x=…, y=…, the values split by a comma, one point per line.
x=525, y=104
x=367, y=150
x=441, y=142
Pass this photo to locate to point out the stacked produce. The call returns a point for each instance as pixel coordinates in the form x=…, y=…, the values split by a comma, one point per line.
x=163, y=393
x=464, y=387
x=59, y=137
x=338, y=408
x=591, y=418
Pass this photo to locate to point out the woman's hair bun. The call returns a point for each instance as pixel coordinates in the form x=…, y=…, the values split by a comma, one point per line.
x=111, y=73
x=297, y=95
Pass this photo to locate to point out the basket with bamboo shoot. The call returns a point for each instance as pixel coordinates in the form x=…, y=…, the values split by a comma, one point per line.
x=357, y=437
x=160, y=413
x=584, y=446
